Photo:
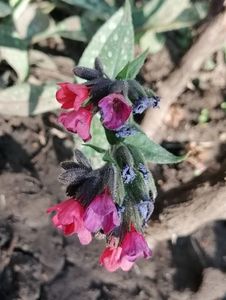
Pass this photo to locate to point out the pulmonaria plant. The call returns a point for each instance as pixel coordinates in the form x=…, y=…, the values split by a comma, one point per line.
x=117, y=199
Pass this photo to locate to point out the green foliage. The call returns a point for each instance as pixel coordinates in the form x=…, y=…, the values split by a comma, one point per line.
x=26, y=99
x=24, y=23
x=113, y=43
x=158, y=16
x=223, y=105
x=5, y=9
x=93, y=150
x=152, y=152
x=204, y=116
x=96, y=148
x=132, y=68
x=98, y=7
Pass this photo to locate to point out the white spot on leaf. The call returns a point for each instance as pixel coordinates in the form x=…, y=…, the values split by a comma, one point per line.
x=115, y=37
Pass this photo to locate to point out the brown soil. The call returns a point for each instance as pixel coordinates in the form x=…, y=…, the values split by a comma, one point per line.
x=38, y=263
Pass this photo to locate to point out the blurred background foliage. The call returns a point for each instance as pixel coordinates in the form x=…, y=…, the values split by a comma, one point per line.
x=28, y=29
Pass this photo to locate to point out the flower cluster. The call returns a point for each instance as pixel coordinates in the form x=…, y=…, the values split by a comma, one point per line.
x=111, y=98
x=116, y=199
x=92, y=208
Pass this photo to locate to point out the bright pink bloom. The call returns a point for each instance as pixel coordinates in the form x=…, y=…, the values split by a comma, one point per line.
x=69, y=218
x=101, y=214
x=124, y=256
x=110, y=258
x=78, y=122
x=114, y=111
x=72, y=95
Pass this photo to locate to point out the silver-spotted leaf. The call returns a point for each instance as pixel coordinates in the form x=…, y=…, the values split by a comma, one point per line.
x=113, y=43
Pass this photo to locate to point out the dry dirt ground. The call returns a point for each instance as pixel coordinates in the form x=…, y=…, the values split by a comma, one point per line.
x=38, y=263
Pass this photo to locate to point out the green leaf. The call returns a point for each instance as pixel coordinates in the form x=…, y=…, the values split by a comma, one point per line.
x=96, y=148
x=26, y=99
x=17, y=59
x=14, y=51
x=69, y=28
x=98, y=138
x=131, y=70
x=152, y=152
x=108, y=157
x=153, y=41
x=164, y=15
x=96, y=6
x=31, y=22
x=113, y=43
x=5, y=9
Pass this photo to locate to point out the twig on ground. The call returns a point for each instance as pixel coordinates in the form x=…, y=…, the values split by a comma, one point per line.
x=212, y=39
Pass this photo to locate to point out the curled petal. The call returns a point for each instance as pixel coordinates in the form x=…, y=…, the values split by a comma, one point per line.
x=69, y=219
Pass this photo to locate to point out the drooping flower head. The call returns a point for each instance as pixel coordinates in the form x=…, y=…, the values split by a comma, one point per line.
x=102, y=213
x=69, y=218
x=132, y=247
x=115, y=111
x=72, y=95
x=78, y=122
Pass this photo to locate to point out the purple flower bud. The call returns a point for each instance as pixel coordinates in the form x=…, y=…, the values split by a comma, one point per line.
x=145, y=209
x=126, y=130
x=142, y=168
x=144, y=103
x=128, y=174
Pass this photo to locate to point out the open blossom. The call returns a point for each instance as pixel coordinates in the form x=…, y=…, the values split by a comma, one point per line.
x=78, y=122
x=69, y=218
x=132, y=247
x=72, y=95
x=115, y=111
x=101, y=214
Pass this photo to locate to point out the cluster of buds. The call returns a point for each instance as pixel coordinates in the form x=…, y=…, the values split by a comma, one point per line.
x=117, y=199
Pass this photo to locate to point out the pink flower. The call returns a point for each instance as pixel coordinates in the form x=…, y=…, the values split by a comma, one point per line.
x=124, y=256
x=69, y=218
x=114, y=110
x=110, y=258
x=134, y=246
x=72, y=95
x=78, y=122
x=102, y=214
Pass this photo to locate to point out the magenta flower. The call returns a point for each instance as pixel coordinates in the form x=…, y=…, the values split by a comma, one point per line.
x=101, y=214
x=124, y=256
x=72, y=95
x=134, y=246
x=78, y=122
x=115, y=111
x=69, y=218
